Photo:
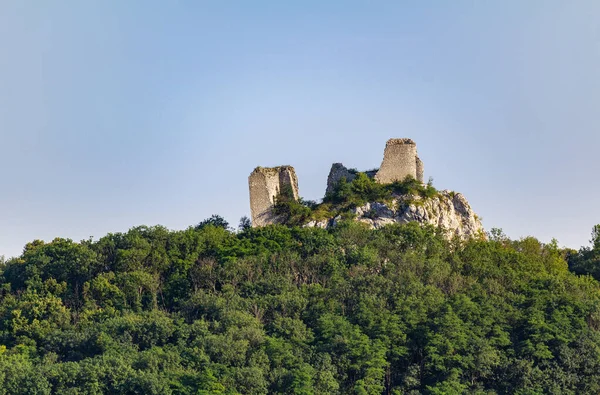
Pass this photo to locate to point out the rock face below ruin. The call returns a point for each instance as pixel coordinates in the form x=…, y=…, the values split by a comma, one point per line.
x=448, y=210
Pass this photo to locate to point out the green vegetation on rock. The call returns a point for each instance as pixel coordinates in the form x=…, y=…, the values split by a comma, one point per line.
x=289, y=310
x=363, y=189
x=347, y=196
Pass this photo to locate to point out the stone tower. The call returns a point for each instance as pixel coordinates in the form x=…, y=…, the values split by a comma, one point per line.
x=265, y=184
x=399, y=161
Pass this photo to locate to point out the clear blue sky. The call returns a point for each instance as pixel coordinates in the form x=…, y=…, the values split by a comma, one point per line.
x=122, y=113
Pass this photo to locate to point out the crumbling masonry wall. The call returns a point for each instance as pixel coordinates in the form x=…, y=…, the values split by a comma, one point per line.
x=265, y=183
x=337, y=172
x=399, y=161
x=420, y=170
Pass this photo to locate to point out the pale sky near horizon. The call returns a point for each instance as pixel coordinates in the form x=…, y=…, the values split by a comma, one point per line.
x=115, y=114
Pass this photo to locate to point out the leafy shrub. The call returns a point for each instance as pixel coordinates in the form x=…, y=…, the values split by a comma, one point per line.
x=215, y=220
x=291, y=211
x=360, y=190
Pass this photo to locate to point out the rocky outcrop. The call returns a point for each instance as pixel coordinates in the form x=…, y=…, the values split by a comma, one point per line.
x=448, y=210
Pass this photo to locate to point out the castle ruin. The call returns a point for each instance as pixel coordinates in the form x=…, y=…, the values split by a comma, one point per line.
x=265, y=184
x=400, y=160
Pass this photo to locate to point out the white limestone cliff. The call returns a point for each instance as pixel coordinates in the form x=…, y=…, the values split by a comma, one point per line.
x=448, y=210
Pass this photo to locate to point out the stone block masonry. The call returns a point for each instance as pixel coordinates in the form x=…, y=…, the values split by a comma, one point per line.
x=399, y=161
x=265, y=183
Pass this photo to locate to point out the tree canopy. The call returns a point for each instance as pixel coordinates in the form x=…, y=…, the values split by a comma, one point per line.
x=291, y=310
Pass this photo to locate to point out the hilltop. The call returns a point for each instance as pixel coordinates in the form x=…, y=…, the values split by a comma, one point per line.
x=393, y=193
x=386, y=286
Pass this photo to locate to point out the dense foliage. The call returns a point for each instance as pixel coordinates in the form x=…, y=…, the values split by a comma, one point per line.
x=363, y=189
x=587, y=259
x=292, y=310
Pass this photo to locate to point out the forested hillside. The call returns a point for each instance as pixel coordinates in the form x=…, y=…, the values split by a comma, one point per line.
x=290, y=310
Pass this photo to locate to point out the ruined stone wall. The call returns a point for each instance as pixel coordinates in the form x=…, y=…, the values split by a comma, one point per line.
x=265, y=183
x=420, y=170
x=399, y=161
x=337, y=172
